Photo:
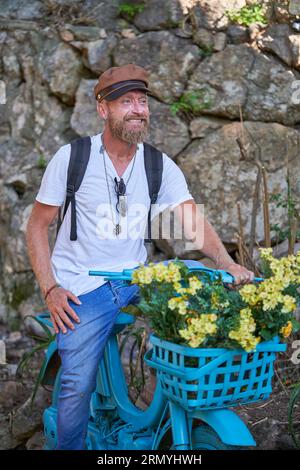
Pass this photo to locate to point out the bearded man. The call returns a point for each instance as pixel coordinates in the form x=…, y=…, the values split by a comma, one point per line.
x=83, y=308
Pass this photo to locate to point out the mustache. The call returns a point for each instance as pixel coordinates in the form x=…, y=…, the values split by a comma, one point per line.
x=143, y=118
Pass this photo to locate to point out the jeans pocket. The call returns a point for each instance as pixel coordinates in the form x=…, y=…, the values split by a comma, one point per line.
x=118, y=283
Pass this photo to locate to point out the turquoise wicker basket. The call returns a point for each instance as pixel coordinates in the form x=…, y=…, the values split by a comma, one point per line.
x=213, y=377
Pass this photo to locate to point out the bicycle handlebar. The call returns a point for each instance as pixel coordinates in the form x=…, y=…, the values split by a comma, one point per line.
x=126, y=274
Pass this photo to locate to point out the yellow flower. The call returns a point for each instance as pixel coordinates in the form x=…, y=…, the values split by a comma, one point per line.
x=194, y=285
x=173, y=302
x=199, y=328
x=160, y=270
x=287, y=329
x=143, y=275
x=182, y=308
x=266, y=253
x=179, y=288
x=173, y=273
x=178, y=303
x=289, y=304
x=249, y=294
x=243, y=334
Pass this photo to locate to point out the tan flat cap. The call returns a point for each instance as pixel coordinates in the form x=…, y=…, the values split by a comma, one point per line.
x=116, y=81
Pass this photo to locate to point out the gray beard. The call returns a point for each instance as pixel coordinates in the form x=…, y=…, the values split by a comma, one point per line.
x=119, y=131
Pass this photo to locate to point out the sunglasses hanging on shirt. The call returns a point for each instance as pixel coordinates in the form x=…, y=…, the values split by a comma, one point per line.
x=120, y=189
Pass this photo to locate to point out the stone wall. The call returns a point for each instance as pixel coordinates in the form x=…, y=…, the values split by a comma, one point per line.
x=51, y=55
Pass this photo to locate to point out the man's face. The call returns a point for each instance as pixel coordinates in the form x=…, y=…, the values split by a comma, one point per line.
x=128, y=116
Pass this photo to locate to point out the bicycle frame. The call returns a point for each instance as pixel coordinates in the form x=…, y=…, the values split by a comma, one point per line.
x=116, y=423
x=111, y=397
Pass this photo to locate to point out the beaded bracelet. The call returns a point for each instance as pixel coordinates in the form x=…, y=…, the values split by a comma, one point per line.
x=49, y=290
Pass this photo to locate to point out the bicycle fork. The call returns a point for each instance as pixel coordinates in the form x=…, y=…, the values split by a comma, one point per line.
x=181, y=427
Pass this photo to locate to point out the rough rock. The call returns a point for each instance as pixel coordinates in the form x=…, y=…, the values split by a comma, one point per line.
x=2, y=352
x=220, y=40
x=276, y=39
x=36, y=442
x=281, y=10
x=168, y=132
x=204, y=38
x=237, y=34
x=294, y=7
x=171, y=59
x=84, y=33
x=85, y=119
x=9, y=392
x=240, y=77
x=97, y=55
x=64, y=72
x=27, y=420
x=211, y=14
x=23, y=11
x=203, y=125
x=170, y=14
x=7, y=440
x=219, y=186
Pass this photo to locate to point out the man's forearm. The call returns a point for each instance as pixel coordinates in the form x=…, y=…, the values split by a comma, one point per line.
x=198, y=229
x=39, y=256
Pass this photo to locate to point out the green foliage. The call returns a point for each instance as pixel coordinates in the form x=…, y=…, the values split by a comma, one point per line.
x=129, y=10
x=288, y=202
x=42, y=162
x=247, y=15
x=191, y=103
x=42, y=344
x=20, y=291
x=206, y=51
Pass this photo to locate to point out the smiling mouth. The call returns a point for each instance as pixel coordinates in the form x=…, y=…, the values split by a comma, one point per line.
x=136, y=122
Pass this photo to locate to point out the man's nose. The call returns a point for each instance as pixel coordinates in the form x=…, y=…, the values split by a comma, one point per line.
x=138, y=107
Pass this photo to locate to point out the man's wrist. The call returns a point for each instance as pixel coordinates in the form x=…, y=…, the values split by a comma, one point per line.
x=227, y=266
x=224, y=261
x=50, y=289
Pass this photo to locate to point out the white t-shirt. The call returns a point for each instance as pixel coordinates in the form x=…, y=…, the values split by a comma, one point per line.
x=96, y=247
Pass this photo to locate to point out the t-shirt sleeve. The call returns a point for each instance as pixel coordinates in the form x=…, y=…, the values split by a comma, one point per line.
x=53, y=185
x=174, y=189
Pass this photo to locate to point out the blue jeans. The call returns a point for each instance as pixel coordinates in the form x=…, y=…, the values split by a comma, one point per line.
x=80, y=351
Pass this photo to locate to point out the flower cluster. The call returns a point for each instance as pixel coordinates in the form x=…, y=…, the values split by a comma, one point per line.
x=194, y=309
x=199, y=328
x=156, y=272
x=244, y=334
x=270, y=293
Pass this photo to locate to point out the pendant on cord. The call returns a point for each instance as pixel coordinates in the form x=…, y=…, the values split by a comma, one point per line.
x=117, y=229
x=123, y=205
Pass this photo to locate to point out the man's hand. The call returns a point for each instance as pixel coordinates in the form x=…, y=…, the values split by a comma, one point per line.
x=57, y=303
x=241, y=275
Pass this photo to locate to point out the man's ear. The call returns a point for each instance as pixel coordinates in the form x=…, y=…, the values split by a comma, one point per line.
x=102, y=110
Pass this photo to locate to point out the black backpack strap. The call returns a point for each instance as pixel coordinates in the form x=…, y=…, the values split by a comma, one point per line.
x=153, y=160
x=80, y=154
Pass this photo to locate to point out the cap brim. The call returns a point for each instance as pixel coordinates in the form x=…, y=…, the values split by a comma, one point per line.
x=117, y=93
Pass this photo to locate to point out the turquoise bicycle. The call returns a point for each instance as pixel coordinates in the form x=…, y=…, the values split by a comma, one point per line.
x=189, y=409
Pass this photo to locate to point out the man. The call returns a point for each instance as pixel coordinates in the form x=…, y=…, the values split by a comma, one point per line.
x=83, y=308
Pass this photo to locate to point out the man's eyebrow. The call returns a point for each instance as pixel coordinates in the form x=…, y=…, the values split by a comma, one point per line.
x=132, y=96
